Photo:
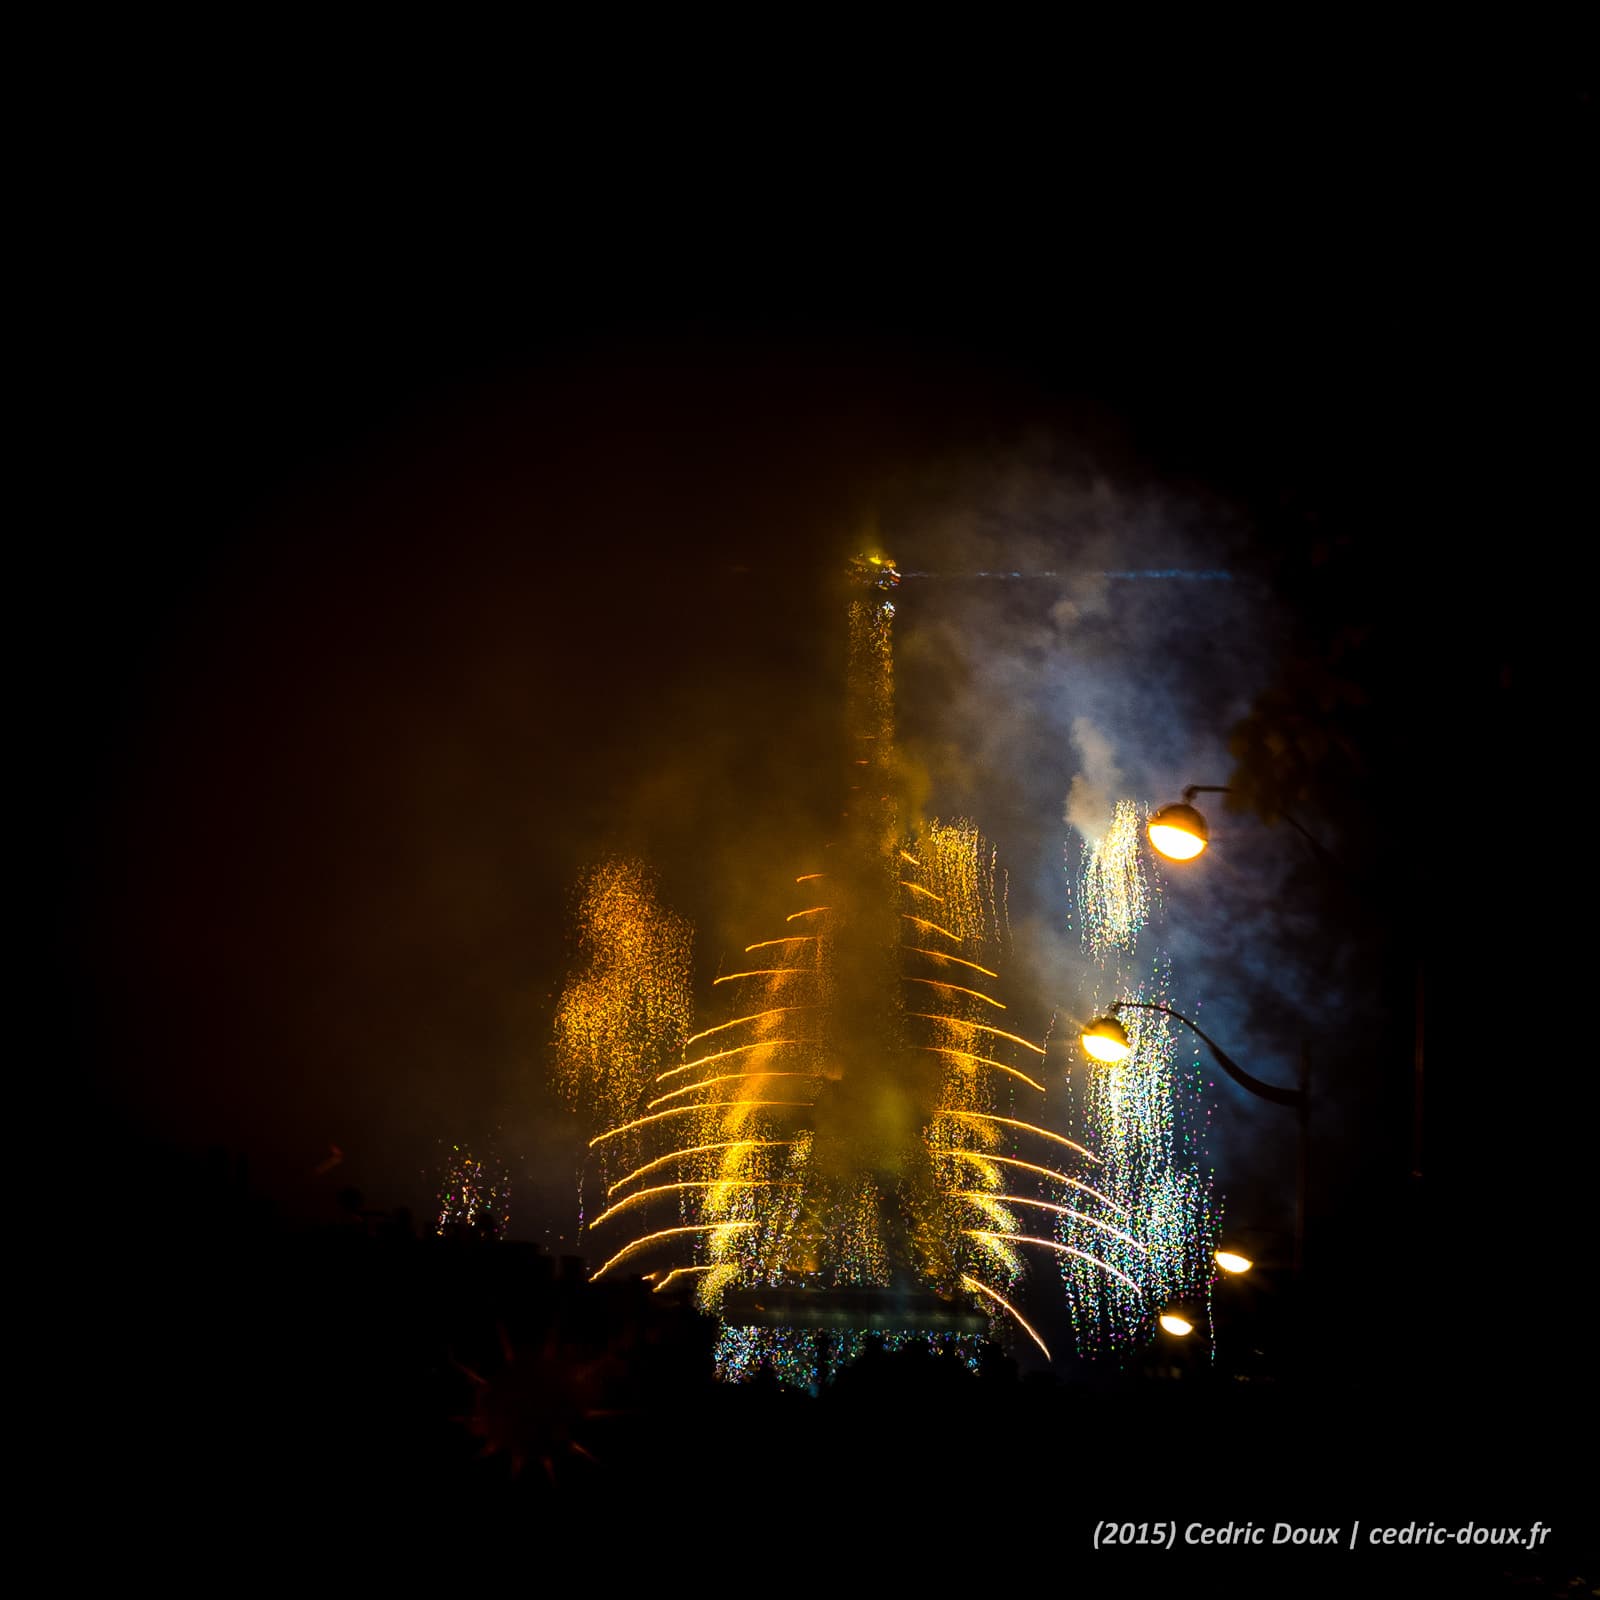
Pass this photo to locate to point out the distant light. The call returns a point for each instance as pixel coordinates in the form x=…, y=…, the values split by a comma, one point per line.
x=1179, y=832
x=1105, y=1039
x=1232, y=1261
x=1174, y=1324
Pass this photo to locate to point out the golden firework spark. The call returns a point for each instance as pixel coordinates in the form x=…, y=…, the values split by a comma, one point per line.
x=666, y=1233
x=955, y=988
x=1046, y=1205
x=982, y=1061
x=1026, y=1127
x=978, y=1027
x=679, y=1272
x=1060, y=1249
x=686, y=1111
x=939, y=955
x=960, y=867
x=754, y=1016
x=695, y=1150
x=725, y=1077
x=722, y=1055
x=1000, y=1300
x=983, y=1158
x=641, y=1195
x=627, y=1010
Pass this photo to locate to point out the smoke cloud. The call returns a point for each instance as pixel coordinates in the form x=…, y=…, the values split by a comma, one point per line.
x=1096, y=786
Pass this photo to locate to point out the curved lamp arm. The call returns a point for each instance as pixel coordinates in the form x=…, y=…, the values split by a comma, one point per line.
x=1267, y=1091
x=1322, y=852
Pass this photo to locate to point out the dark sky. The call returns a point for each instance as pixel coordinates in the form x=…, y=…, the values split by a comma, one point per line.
x=370, y=712
x=430, y=536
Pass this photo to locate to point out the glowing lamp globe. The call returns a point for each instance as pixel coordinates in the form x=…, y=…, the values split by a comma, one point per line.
x=1174, y=1324
x=1179, y=832
x=1232, y=1261
x=1105, y=1039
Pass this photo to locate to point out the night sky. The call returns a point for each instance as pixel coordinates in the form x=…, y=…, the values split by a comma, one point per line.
x=431, y=675
x=434, y=529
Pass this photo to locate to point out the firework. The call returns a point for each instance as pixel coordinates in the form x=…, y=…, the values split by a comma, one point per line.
x=1000, y=1300
x=1062, y=1249
x=978, y=1027
x=1143, y=1115
x=474, y=1195
x=984, y=1160
x=1147, y=1116
x=644, y=1242
x=626, y=1011
x=1047, y=1205
x=958, y=961
x=838, y=1177
x=853, y=1125
x=804, y=1359
x=968, y=1059
x=1114, y=893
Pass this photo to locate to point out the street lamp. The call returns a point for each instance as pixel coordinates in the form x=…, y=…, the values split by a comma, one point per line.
x=1105, y=1039
x=1179, y=832
x=1179, y=1327
x=1103, y=1036
x=1231, y=1261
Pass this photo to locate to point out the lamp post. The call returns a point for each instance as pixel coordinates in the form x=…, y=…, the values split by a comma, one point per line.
x=1105, y=1039
x=1179, y=833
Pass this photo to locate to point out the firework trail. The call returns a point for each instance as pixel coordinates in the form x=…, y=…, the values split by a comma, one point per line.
x=1115, y=896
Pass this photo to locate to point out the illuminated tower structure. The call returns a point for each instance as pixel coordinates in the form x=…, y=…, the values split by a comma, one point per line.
x=856, y=1145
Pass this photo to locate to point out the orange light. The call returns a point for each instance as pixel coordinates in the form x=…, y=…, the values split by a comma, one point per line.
x=1178, y=832
x=1105, y=1039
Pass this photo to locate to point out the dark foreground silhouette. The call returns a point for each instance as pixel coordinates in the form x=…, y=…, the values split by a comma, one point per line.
x=238, y=1385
